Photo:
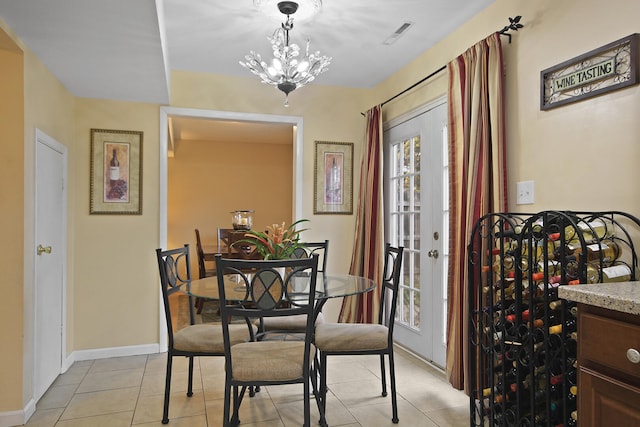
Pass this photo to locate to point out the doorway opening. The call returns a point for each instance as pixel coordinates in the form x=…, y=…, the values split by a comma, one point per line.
x=167, y=114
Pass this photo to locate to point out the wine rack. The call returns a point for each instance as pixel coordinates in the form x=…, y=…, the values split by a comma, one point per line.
x=522, y=337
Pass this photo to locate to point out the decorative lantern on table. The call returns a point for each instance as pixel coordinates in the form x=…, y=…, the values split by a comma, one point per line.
x=242, y=220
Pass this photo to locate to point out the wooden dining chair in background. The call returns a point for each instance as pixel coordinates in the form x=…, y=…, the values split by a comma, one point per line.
x=192, y=340
x=270, y=290
x=204, y=258
x=224, y=246
x=339, y=339
x=230, y=246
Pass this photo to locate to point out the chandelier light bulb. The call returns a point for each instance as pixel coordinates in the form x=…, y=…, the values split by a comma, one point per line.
x=303, y=66
x=286, y=72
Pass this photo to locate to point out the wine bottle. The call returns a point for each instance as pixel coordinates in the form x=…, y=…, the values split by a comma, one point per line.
x=114, y=168
x=554, y=268
x=605, y=251
x=506, y=262
x=568, y=327
x=591, y=231
x=556, y=305
x=616, y=273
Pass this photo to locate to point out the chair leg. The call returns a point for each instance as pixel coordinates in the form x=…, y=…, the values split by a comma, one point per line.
x=167, y=390
x=227, y=404
x=314, y=377
x=190, y=386
x=307, y=404
x=199, y=305
x=394, y=400
x=237, y=401
x=323, y=388
x=383, y=375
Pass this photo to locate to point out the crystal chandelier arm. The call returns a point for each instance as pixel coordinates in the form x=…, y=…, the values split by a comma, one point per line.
x=287, y=71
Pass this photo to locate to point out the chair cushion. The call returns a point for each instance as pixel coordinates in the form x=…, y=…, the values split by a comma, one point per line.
x=297, y=322
x=207, y=338
x=269, y=360
x=337, y=337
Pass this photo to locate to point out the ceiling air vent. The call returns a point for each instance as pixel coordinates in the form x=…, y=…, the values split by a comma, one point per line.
x=397, y=33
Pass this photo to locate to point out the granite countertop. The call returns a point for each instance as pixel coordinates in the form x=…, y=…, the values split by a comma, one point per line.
x=620, y=296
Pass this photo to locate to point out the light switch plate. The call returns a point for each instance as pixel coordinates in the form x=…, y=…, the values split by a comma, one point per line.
x=525, y=193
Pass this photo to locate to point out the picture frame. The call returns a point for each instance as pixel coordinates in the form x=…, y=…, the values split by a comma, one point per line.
x=115, y=172
x=600, y=71
x=333, y=178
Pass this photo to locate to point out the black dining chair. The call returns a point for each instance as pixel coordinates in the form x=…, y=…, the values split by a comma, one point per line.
x=292, y=325
x=191, y=340
x=339, y=339
x=272, y=288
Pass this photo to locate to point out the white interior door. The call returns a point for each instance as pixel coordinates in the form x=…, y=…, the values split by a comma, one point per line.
x=416, y=217
x=50, y=249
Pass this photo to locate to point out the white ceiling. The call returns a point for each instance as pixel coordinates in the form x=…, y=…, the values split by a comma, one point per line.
x=125, y=49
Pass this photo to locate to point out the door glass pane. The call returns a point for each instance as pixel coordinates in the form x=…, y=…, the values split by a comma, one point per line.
x=406, y=181
x=407, y=155
x=416, y=231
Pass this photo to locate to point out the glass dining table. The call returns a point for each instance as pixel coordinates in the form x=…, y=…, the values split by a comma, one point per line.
x=328, y=285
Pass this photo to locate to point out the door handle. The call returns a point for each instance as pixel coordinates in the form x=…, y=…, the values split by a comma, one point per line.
x=433, y=253
x=45, y=249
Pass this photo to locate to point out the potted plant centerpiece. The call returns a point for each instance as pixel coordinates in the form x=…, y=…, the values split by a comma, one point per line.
x=277, y=242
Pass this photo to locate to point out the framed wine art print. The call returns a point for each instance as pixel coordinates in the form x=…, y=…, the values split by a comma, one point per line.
x=116, y=172
x=333, y=178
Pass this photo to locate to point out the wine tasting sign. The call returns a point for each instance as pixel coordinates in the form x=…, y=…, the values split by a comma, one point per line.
x=599, y=71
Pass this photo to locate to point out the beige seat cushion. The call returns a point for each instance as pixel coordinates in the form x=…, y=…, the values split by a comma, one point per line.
x=269, y=360
x=288, y=323
x=337, y=337
x=207, y=338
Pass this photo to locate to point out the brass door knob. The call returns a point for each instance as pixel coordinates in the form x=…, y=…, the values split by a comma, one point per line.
x=45, y=249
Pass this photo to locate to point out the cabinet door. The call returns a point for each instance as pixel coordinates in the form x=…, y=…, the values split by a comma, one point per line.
x=605, y=401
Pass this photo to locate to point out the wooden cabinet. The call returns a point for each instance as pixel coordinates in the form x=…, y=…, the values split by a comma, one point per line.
x=609, y=367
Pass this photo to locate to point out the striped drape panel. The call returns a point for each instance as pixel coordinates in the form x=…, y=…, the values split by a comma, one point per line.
x=367, y=258
x=478, y=176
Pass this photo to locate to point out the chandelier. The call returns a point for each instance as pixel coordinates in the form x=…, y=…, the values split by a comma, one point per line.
x=287, y=70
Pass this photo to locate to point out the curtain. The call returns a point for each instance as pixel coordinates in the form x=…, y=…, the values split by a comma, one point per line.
x=478, y=176
x=368, y=250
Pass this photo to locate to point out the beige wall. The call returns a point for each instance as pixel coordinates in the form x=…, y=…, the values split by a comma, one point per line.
x=11, y=220
x=116, y=279
x=581, y=156
x=209, y=179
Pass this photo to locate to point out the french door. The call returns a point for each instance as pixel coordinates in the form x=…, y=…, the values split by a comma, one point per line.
x=416, y=215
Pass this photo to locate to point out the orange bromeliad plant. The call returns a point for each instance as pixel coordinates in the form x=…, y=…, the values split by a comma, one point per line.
x=277, y=242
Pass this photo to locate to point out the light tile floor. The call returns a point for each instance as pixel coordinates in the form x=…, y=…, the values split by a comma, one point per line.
x=128, y=391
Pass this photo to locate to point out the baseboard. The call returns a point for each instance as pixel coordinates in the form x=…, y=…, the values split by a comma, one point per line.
x=104, y=353
x=17, y=418
x=420, y=358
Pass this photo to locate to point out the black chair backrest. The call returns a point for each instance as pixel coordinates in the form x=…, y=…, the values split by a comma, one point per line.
x=175, y=270
x=271, y=288
x=310, y=248
x=390, y=285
